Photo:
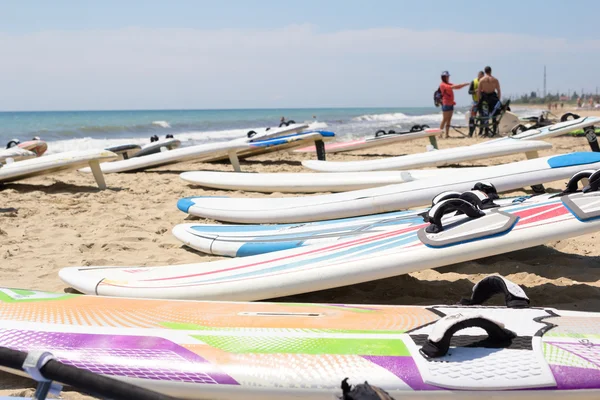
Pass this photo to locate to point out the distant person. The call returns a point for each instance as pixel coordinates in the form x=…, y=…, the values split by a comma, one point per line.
x=473, y=92
x=562, y=105
x=549, y=106
x=579, y=102
x=282, y=122
x=448, y=103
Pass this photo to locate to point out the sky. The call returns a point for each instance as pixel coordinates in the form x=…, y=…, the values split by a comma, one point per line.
x=179, y=54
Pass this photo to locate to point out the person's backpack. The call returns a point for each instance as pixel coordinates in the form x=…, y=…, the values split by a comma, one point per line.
x=437, y=97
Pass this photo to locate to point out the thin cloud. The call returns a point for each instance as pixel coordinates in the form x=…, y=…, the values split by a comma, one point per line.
x=140, y=68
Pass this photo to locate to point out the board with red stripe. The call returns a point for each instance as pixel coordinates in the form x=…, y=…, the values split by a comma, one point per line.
x=389, y=251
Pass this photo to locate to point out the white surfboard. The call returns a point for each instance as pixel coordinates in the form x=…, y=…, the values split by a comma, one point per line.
x=57, y=162
x=389, y=252
x=432, y=158
x=270, y=142
x=248, y=240
x=373, y=141
x=386, y=198
x=207, y=152
x=286, y=142
x=549, y=131
x=311, y=182
x=457, y=154
x=15, y=154
x=264, y=133
x=198, y=153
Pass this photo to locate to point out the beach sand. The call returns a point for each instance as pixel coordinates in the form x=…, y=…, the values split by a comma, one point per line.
x=51, y=222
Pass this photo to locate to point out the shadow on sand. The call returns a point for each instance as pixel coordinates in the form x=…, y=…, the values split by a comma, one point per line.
x=56, y=187
x=542, y=261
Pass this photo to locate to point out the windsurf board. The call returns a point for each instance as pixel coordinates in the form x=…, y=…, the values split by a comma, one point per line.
x=560, y=128
x=211, y=152
x=261, y=145
x=457, y=154
x=387, y=252
x=198, y=153
x=57, y=162
x=15, y=154
x=385, y=198
x=228, y=350
x=247, y=240
x=373, y=141
x=309, y=182
x=431, y=158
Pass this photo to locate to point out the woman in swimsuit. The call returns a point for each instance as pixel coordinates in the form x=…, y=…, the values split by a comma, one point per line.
x=448, y=103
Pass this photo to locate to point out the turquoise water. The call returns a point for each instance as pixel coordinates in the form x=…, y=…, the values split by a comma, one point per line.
x=71, y=130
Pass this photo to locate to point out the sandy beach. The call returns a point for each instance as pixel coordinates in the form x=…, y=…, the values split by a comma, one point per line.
x=51, y=222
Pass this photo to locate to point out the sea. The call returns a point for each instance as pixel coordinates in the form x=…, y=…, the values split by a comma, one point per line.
x=79, y=130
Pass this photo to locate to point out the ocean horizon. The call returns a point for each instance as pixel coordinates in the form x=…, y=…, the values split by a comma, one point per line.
x=79, y=129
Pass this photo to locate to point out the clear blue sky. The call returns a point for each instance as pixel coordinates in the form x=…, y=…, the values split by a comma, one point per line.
x=229, y=54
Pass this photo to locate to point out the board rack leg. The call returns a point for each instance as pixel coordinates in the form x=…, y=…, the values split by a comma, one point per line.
x=98, y=175
x=531, y=155
x=320, y=147
x=433, y=142
x=590, y=134
x=235, y=161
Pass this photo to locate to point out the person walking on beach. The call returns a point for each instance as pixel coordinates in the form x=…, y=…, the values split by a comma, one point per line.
x=447, y=91
x=473, y=92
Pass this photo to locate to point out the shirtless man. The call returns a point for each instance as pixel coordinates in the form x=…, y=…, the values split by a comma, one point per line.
x=489, y=92
x=489, y=89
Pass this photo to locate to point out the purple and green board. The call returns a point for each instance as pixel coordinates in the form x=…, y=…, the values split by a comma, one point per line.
x=283, y=350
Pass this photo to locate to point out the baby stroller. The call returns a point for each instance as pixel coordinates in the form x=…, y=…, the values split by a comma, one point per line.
x=487, y=120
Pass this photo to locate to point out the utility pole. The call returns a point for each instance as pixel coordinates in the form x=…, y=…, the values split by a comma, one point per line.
x=544, y=81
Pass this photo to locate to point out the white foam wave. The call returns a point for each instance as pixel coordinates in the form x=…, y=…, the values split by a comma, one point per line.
x=315, y=125
x=403, y=118
x=380, y=117
x=162, y=124
x=186, y=138
x=88, y=143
